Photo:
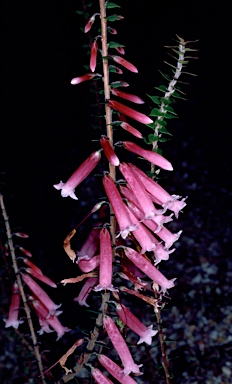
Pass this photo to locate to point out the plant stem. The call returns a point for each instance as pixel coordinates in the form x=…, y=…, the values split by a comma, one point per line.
x=20, y=285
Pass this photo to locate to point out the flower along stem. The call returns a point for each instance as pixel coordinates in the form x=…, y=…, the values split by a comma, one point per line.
x=130, y=237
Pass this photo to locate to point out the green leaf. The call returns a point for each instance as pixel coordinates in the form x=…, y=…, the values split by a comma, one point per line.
x=164, y=130
x=152, y=138
x=170, y=109
x=113, y=69
x=169, y=116
x=110, y=5
x=152, y=125
x=79, y=12
x=156, y=112
x=113, y=44
x=162, y=88
x=155, y=99
x=163, y=139
x=165, y=100
x=113, y=18
x=160, y=122
x=117, y=84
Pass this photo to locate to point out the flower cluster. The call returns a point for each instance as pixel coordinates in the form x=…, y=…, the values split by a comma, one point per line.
x=131, y=241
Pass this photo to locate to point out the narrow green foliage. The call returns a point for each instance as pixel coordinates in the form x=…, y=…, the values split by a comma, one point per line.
x=110, y=5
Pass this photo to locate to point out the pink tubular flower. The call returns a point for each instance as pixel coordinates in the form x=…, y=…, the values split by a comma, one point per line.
x=25, y=251
x=85, y=291
x=41, y=277
x=132, y=130
x=67, y=189
x=108, y=151
x=120, y=50
x=152, y=157
x=135, y=324
x=150, y=270
x=91, y=245
x=12, y=320
x=115, y=370
x=162, y=253
x=127, y=96
x=32, y=265
x=125, y=63
x=121, y=347
x=164, y=198
x=93, y=56
x=130, y=112
x=135, y=185
x=87, y=264
x=144, y=237
x=99, y=377
x=90, y=23
x=118, y=206
x=41, y=294
x=80, y=79
x=112, y=31
x=106, y=260
x=47, y=320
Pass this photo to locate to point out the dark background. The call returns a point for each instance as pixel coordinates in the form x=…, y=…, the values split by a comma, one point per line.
x=46, y=122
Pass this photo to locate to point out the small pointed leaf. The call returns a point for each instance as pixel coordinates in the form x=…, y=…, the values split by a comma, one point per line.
x=110, y=5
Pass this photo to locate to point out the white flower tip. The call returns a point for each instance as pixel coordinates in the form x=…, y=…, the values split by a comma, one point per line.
x=58, y=186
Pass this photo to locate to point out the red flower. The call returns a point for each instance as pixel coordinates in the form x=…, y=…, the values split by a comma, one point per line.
x=115, y=370
x=108, y=151
x=151, y=156
x=80, y=79
x=85, y=291
x=67, y=189
x=119, y=208
x=127, y=96
x=150, y=270
x=125, y=63
x=12, y=320
x=121, y=347
x=106, y=260
x=93, y=56
x=130, y=112
x=90, y=23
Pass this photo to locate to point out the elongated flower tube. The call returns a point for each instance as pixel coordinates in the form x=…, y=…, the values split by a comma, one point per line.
x=108, y=151
x=106, y=262
x=118, y=206
x=151, y=271
x=115, y=370
x=121, y=347
x=135, y=185
x=87, y=264
x=162, y=253
x=41, y=277
x=144, y=237
x=130, y=112
x=52, y=320
x=40, y=293
x=152, y=157
x=67, y=189
x=121, y=50
x=99, y=377
x=127, y=96
x=85, y=291
x=165, y=199
x=93, y=56
x=145, y=333
x=125, y=63
x=32, y=265
x=131, y=129
x=12, y=320
x=91, y=244
x=80, y=79
x=25, y=251
x=90, y=22
x=155, y=223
